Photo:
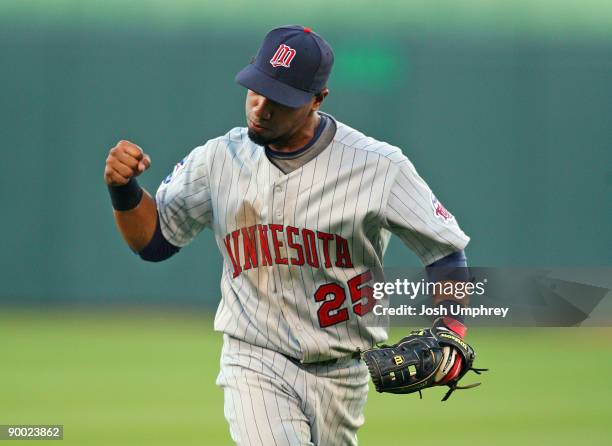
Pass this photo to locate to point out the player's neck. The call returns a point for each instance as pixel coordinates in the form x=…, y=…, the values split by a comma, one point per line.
x=300, y=138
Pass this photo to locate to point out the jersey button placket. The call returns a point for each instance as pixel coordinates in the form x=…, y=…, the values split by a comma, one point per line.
x=277, y=218
x=278, y=200
x=283, y=272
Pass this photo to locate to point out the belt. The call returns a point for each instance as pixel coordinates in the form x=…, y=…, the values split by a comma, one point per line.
x=328, y=362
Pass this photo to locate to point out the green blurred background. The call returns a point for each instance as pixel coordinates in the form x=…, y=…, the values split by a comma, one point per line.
x=504, y=108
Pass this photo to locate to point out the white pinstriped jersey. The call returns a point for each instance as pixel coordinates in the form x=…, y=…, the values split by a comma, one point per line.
x=299, y=249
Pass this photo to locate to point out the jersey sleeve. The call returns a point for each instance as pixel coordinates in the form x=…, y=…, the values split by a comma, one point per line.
x=414, y=214
x=183, y=199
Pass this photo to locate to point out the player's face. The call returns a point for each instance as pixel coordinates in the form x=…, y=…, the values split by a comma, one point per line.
x=272, y=123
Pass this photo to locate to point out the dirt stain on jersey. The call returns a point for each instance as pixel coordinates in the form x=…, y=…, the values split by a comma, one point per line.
x=249, y=214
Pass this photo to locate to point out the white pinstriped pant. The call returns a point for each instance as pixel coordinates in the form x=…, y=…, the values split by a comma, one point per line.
x=271, y=400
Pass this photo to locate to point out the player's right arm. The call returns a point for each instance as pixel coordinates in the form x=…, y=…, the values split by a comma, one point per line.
x=156, y=228
x=134, y=209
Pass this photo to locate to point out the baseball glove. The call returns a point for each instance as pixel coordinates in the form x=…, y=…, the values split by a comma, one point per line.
x=425, y=358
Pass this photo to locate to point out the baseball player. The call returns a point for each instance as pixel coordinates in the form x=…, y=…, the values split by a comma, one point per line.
x=301, y=207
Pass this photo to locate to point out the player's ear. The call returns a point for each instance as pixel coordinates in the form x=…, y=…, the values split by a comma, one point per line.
x=319, y=97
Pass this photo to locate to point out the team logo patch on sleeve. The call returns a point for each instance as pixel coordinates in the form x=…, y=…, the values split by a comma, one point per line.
x=439, y=210
x=179, y=166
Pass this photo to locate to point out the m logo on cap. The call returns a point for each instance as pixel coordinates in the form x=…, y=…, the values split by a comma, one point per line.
x=283, y=56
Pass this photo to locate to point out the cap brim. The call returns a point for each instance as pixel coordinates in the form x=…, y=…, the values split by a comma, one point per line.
x=254, y=79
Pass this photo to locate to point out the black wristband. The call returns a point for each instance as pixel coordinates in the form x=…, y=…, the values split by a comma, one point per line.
x=126, y=197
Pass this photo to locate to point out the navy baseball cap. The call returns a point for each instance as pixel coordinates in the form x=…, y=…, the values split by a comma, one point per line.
x=292, y=65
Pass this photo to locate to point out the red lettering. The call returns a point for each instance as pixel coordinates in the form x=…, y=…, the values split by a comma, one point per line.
x=281, y=50
x=266, y=259
x=237, y=268
x=291, y=232
x=333, y=296
x=235, y=237
x=277, y=244
x=359, y=289
x=310, y=246
x=325, y=237
x=249, y=247
x=256, y=248
x=329, y=312
x=283, y=56
x=343, y=256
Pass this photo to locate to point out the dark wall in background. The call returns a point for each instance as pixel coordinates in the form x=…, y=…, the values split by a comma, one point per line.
x=513, y=136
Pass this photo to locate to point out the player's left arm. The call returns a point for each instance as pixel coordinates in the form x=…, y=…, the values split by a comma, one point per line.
x=450, y=272
x=416, y=216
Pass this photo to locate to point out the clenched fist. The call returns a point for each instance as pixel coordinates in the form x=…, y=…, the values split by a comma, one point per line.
x=124, y=161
